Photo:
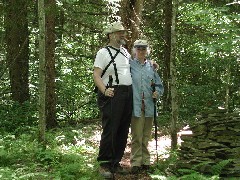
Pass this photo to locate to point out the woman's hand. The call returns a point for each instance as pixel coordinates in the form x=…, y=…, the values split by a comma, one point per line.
x=155, y=95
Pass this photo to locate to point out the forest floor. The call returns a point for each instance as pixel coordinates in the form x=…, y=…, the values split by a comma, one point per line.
x=164, y=144
x=163, y=148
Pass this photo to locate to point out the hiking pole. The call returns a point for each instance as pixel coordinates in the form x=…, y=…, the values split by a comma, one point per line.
x=111, y=114
x=154, y=116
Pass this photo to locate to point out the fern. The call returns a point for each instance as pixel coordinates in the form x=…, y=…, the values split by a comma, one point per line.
x=217, y=169
x=193, y=176
x=187, y=171
x=197, y=166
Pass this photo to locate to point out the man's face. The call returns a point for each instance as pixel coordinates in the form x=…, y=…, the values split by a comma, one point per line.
x=118, y=37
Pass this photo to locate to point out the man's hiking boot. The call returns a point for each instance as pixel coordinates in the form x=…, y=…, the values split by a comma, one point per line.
x=120, y=170
x=146, y=167
x=105, y=173
x=135, y=169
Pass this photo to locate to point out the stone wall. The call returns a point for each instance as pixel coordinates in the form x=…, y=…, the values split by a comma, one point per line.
x=215, y=137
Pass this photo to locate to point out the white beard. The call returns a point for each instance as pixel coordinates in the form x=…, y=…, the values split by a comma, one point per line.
x=122, y=42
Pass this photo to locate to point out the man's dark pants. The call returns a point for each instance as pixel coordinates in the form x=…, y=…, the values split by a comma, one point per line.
x=116, y=118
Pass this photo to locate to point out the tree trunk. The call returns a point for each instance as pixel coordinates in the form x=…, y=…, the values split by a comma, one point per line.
x=17, y=42
x=173, y=75
x=51, y=121
x=167, y=13
x=42, y=72
x=131, y=15
x=228, y=78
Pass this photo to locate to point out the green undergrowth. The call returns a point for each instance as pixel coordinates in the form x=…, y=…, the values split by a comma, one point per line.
x=165, y=169
x=70, y=154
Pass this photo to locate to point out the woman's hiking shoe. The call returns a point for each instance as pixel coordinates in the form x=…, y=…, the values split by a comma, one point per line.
x=105, y=173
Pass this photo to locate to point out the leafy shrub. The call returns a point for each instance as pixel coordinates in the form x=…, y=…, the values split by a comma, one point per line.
x=15, y=116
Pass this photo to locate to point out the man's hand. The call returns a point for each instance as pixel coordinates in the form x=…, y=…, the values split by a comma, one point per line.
x=109, y=92
x=154, y=64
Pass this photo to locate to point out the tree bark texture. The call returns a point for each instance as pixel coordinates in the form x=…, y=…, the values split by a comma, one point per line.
x=50, y=7
x=173, y=75
x=42, y=72
x=228, y=80
x=131, y=16
x=167, y=13
x=17, y=42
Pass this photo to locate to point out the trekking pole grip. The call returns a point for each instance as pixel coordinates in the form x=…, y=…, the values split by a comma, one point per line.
x=110, y=81
x=153, y=85
x=153, y=88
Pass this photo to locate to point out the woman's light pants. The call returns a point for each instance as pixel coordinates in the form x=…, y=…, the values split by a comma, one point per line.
x=141, y=128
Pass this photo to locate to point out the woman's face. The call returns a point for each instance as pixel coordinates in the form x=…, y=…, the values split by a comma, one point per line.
x=141, y=51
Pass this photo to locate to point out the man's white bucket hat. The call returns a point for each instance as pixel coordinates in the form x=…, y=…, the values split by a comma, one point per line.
x=114, y=27
x=140, y=43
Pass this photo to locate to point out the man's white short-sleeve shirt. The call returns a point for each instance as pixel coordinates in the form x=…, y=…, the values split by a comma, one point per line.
x=122, y=63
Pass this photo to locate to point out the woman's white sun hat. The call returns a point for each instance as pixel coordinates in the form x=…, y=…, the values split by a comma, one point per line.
x=140, y=43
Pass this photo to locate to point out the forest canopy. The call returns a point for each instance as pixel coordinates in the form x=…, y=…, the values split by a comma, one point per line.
x=207, y=57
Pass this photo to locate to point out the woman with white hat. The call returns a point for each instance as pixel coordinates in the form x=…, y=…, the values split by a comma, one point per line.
x=143, y=74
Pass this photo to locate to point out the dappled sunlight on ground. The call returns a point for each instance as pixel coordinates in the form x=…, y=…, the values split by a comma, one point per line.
x=163, y=145
x=162, y=151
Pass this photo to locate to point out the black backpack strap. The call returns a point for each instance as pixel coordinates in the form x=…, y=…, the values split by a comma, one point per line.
x=114, y=64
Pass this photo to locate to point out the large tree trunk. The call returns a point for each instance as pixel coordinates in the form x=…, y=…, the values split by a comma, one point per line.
x=17, y=41
x=131, y=15
x=167, y=13
x=50, y=64
x=42, y=72
x=173, y=74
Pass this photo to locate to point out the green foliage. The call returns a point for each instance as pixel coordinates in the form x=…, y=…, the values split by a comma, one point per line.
x=205, y=37
x=73, y=166
x=48, y=157
x=207, y=45
x=77, y=46
x=217, y=168
x=15, y=116
x=197, y=176
x=71, y=154
x=167, y=160
x=76, y=99
x=23, y=158
x=163, y=121
x=214, y=170
x=165, y=169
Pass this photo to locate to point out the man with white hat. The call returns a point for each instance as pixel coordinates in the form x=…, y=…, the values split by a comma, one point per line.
x=113, y=79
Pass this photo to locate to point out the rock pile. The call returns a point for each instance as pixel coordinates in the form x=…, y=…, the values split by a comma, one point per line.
x=215, y=140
